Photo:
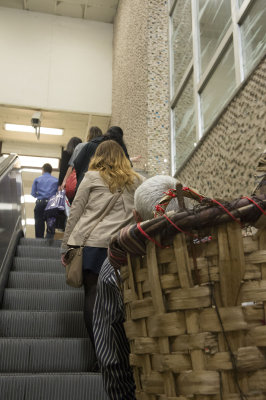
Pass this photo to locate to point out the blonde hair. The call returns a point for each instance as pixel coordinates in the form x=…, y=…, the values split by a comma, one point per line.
x=113, y=166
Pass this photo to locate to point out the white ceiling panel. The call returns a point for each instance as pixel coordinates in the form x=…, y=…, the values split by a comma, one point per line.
x=83, y=2
x=41, y=6
x=103, y=3
x=70, y=10
x=100, y=14
x=96, y=10
x=12, y=4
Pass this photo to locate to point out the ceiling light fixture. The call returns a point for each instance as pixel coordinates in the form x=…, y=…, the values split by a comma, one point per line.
x=31, y=129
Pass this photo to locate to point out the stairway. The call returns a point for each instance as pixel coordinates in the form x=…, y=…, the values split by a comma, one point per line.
x=45, y=353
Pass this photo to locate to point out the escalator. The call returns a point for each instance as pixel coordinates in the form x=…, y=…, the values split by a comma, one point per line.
x=45, y=353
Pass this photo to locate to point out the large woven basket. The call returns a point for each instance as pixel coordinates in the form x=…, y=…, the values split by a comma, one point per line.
x=195, y=317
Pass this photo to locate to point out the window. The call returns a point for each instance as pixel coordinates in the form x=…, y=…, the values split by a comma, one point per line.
x=218, y=88
x=214, y=21
x=181, y=40
x=184, y=122
x=253, y=32
x=207, y=67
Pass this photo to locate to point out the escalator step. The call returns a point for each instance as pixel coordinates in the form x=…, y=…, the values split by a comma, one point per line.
x=42, y=324
x=37, y=265
x=45, y=355
x=43, y=300
x=40, y=242
x=35, y=280
x=79, y=386
x=39, y=252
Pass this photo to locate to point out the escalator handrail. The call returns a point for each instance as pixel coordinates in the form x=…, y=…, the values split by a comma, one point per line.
x=5, y=164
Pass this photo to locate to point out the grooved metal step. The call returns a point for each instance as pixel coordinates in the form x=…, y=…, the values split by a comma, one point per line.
x=38, y=280
x=27, y=264
x=43, y=300
x=45, y=355
x=45, y=351
x=40, y=242
x=39, y=252
x=41, y=324
x=79, y=386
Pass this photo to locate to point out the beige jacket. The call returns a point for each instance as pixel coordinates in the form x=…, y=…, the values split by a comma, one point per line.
x=91, y=200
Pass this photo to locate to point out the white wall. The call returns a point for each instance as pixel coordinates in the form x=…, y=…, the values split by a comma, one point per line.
x=55, y=62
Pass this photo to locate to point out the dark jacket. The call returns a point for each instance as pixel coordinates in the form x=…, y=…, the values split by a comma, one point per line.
x=63, y=166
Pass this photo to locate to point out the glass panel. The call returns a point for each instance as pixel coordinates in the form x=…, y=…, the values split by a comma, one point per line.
x=219, y=87
x=184, y=124
x=214, y=21
x=254, y=35
x=181, y=40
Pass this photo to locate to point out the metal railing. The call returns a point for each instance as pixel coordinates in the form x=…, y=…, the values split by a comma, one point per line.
x=11, y=192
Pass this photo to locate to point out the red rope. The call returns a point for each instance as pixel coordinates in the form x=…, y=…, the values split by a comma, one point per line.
x=170, y=193
x=227, y=211
x=159, y=208
x=256, y=204
x=177, y=227
x=187, y=189
x=148, y=237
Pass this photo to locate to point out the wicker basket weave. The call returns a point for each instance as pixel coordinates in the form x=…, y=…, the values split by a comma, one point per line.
x=191, y=336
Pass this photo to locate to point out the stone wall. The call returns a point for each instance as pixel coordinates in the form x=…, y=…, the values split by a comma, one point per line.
x=140, y=103
x=224, y=163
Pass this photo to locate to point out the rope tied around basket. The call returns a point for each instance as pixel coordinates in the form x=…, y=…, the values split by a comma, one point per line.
x=160, y=210
x=149, y=237
x=256, y=204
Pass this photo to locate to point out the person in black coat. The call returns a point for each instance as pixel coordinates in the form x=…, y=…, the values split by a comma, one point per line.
x=66, y=155
x=81, y=163
x=63, y=166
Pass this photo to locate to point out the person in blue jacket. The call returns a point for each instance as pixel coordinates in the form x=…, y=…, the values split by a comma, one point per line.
x=44, y=187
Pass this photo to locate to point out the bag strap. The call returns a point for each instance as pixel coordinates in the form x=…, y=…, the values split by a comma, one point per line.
x=106, y=211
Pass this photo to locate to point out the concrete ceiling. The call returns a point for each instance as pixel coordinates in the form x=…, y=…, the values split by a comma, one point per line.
x=74, y=124
x=95, y=10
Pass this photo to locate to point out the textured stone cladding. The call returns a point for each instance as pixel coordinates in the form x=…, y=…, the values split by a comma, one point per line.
x=159, y=141
x=140, y=102
x=224, y=164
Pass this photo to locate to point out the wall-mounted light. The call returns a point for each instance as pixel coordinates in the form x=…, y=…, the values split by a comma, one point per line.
x=31, y=129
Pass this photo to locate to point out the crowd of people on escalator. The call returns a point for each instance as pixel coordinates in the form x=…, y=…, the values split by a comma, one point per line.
x=106, y=191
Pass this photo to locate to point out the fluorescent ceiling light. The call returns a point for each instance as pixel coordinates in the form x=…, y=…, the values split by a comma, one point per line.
x=33, y=170
x=38, y=162
x=30, y=129
x=35, y=162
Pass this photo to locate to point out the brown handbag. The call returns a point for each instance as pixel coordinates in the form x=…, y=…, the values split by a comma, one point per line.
x=73, y=259
x=74, y=255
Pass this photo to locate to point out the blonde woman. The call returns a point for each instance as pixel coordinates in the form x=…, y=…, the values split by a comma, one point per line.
x=109, y=172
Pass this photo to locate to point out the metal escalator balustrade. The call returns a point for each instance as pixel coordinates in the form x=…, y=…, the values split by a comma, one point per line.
x=11, y=211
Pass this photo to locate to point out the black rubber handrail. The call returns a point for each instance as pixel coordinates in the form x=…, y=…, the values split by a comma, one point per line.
x=5, y=164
